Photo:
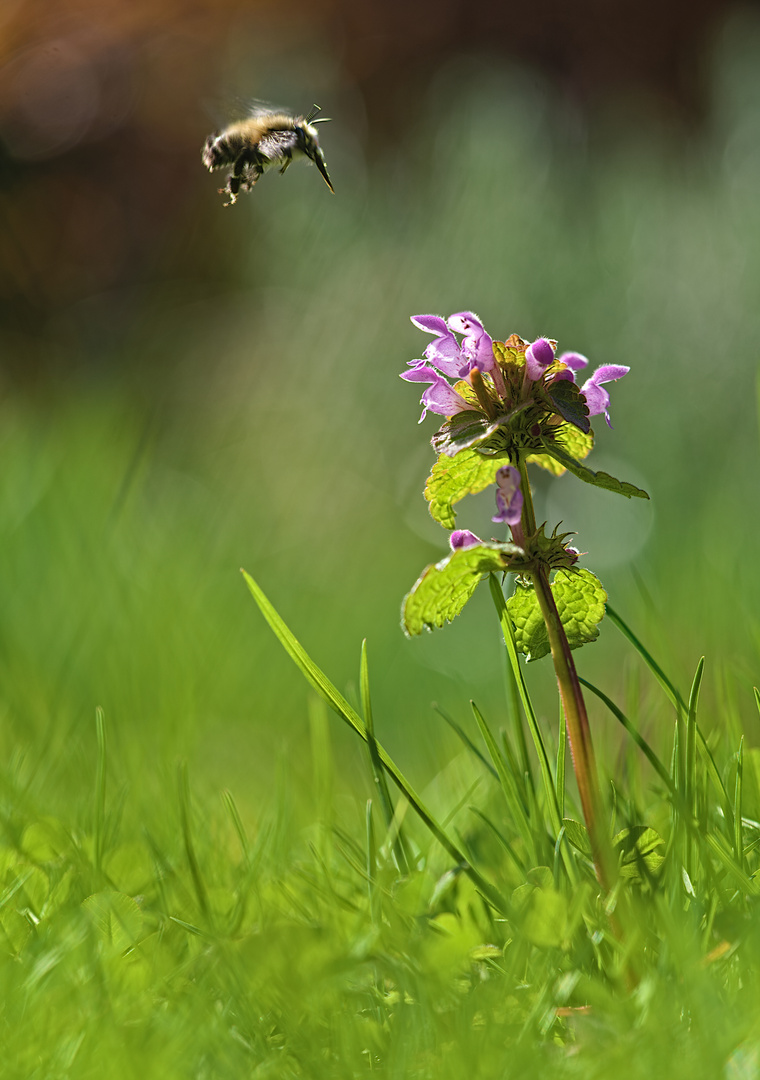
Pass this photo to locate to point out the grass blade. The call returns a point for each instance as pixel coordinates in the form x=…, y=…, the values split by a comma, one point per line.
x=690, y=778
x=319, y=681
x=639, y=739
x=466, y=740
x=231, y=807
x=378, y=773
x=560, y=771
x=738, y=839
x=538, y=740
x=670, y=690
x=100, y=790
x=508, y=785
x=681, y=709
x=192, y=860
x=519, y=863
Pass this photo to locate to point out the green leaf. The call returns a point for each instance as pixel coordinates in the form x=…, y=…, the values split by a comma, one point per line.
x=443, y=589
x=569, y=403
x=637, y=850
x=578, y=836
x=580, y=600
x=577, y=444
x=598, y=479
x=454, y=477
x=461, y=431
x=116, y=916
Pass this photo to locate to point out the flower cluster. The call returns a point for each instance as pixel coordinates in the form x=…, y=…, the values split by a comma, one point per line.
x=461, y=347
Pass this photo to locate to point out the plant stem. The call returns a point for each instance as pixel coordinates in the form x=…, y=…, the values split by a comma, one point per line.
x=576, y=717
x=578, y=731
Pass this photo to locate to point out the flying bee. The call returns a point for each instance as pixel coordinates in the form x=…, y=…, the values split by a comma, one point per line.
x=264, y=140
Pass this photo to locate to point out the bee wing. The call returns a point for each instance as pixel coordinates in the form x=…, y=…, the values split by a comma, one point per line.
x=226, y=108
x=255, y=108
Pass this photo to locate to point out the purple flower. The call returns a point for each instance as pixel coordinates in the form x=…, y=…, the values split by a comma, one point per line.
x=439, y=397
x=463, y=538
x=509, y=498
x=597, y=399
x=538, y=356
x=445, y=351
x=447, y=354
x=574, y=360
x=477, y=345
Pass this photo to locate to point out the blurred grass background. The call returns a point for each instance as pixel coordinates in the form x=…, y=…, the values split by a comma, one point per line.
x=189, y=389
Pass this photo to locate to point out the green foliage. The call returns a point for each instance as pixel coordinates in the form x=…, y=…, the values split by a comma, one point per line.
x=572, y=440
x=580, y=600
x=567, y=399
x=640, y=853
x=454, y=477
x=598, y=479
x=123, y=516
x=462, y=431
x=443, y=589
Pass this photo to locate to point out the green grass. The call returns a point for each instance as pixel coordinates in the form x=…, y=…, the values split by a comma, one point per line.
x=194, y=887
x=197, y=946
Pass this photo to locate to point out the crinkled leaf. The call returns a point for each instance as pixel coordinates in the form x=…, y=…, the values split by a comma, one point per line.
x=444, y=588
x=580, y=600
x=454, y=477
x=636, y=849
x=569, y=403
x=599, y=479
x=569, y=439
x=460, y=431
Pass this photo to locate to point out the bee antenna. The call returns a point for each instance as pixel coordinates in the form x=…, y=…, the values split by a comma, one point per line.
x=314, y=110
x=322, y=120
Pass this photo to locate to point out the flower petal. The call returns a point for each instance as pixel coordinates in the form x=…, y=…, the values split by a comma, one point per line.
x=538, y=356
x=608, y=373
x=465, y=322
x=597, y=399
x=431, y=324
x=463, y=538
x=442, y=399
x=509, y=498
x=446, y=354
x=574, y=360
x=421, y=373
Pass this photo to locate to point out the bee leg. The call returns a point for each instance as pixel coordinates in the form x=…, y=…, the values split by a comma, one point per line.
x=232, y=189
x=288, y=160
x=235, y=179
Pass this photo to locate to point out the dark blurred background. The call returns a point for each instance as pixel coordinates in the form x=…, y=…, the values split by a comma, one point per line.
x=188, y=388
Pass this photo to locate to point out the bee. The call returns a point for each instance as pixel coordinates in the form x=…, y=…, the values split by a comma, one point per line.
x=264, y=140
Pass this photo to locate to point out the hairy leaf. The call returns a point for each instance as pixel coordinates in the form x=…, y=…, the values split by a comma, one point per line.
x=599, y=479
x=572, y=441
x=461, y=431
x=444, y=588
x=569, y=403
x=454, y=477
x=580, y=600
